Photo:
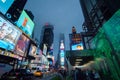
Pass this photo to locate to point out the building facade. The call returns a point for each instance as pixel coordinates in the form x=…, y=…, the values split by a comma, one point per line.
x=46, y=43
x=96, y=13
x=47, y=36
x=61, y=55
x=100, y=31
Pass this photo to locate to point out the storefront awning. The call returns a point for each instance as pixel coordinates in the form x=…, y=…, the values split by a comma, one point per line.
x=79, y=57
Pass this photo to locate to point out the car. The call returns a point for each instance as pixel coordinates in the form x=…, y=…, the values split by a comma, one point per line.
x=38, y=73
x=17, y=74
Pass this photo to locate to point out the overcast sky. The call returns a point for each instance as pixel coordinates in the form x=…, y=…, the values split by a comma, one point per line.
x=63, y=14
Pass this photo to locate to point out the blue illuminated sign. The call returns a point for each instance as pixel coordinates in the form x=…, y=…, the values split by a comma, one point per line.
x=5, y=5
x=77, y=46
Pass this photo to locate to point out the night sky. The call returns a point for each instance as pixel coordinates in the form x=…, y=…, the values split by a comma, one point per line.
x=62, y=14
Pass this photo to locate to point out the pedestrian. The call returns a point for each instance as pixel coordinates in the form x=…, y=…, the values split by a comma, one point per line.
x=96, y=75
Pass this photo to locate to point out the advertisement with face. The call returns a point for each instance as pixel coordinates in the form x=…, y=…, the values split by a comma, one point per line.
x=33, y=49
x=5, y=5
x=77, y=46
x=9, y=34
x=25, y=23
x=22, y=45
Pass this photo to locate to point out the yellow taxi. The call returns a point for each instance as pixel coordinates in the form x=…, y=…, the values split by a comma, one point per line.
x=38, y=73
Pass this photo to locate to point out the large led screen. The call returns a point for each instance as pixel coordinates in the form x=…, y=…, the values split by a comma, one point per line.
x=5, y=5
x=22, y=45
x=33, y=49
x=77, y=46
x=9, y=34
x=62, y=53
x=25, y=23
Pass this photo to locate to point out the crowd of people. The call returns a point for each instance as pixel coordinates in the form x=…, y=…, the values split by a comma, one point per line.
x=79, y=74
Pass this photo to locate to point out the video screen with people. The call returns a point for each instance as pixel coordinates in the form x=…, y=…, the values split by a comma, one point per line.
x=9, y=34
x=22, y=45
x=33, y=49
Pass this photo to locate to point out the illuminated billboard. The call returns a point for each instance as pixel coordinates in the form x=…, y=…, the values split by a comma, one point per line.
x=32, y=50
x=77, y=46
x=62, y=53
x=9, y=34
x=76, y=41
x=5, y=5
x=22, y=45
x=75, y=38
x=25, y=23
x=44, y=49
x=62, y=45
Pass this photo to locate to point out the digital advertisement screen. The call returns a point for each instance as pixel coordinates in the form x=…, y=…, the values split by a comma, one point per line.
x=62, y=54
x=32, y=50
x=75, y=38
x=25, y=23
x=9, y=34
x=62, y=45
x=22, y=45
x=5, y=5
x=77, y=46
x=44, y=49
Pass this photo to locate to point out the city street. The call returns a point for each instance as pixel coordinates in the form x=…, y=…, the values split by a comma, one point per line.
x=59, y=39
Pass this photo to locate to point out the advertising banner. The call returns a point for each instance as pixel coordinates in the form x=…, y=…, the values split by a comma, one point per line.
x=9, y=34
x=44, y=49
x=33, y=50
x=25, y=23
x=22, y=45
x=77, y=46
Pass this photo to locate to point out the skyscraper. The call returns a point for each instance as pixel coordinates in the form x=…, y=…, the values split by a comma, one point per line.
x=47, y=37
x=62, y=51
x=46, y=42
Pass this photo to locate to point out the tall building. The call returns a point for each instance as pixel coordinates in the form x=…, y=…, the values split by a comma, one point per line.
x=61, y=55
x=15, y=10
x=96, y=13
x=47, y=36
x=46, y=43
